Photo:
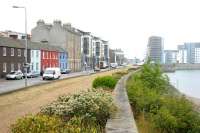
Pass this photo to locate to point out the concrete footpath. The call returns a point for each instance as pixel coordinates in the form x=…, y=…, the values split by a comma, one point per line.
x=123, y=121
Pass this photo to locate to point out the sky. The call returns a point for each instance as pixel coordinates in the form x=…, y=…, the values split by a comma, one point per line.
x=126, y=24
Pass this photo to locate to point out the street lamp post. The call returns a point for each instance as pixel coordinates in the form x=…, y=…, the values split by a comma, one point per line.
x=26, y=49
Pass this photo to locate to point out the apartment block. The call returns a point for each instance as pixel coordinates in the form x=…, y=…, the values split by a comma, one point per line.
x=116, y=56
x=189, y=52
x=86, y=50
x=155, y=49
x=170, y=56
x=106, y=51
x=182, y=54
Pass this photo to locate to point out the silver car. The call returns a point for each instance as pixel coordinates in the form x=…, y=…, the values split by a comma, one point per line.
x=15, y=75
x=33, y=74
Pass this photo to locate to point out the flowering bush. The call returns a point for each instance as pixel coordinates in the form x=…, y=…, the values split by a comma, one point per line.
x=84, y=112
x=93, y=105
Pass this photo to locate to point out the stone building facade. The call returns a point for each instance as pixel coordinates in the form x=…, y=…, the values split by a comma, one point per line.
x=62, y=35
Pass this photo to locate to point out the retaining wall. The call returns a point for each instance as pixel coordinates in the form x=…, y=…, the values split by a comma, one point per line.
x=123, y=121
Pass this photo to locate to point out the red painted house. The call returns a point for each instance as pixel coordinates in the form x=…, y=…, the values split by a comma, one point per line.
x=49, y=58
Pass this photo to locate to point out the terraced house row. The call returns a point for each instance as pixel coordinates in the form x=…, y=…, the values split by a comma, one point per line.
x=40, y=56
x=84, y=49
x=52, y=45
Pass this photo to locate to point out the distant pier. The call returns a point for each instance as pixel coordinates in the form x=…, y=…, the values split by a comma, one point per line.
x=174, y=67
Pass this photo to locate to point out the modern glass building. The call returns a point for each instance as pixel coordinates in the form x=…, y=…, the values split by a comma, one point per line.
x=189, y=53
x=170, y=56
x=155, y=49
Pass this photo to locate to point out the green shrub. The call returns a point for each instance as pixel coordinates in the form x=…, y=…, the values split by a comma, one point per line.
x=106, y=82
x=182, y=112
x=152, y=77
x=141, y=98
x=165, y=121
x=36, y=124
x=151, y=94
x=94, y=105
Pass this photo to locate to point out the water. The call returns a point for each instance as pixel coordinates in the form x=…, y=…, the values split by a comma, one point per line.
x=186, y=81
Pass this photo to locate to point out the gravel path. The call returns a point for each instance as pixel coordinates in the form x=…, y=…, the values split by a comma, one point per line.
x=17, y=104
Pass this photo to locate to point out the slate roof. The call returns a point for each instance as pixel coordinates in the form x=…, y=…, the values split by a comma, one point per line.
x=43, y=46
x=9, y=42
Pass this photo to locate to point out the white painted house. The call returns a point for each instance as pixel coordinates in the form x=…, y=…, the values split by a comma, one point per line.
x=35, y=60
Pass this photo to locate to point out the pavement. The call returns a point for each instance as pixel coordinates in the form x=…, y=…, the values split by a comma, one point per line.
x=13, y=85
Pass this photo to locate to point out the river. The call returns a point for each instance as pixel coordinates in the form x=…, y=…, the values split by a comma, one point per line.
x=186, y=81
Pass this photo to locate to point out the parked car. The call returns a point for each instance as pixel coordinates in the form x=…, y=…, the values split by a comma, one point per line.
x=96, y=69
x=15, y=75
x=65, y=71
x=51, y=73
x=113, y=65
x=33, y=74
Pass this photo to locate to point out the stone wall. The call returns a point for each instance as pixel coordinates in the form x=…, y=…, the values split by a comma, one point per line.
x=123, y=121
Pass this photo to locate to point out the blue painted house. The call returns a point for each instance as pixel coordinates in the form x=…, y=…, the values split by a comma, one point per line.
x=63, y=59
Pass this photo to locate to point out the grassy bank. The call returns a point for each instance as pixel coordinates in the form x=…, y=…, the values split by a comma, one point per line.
x=83, y=112
x=29, y=101
x=158, y=107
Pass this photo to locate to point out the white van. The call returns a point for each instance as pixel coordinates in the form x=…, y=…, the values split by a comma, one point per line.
x=51, y=73
x=103, y=64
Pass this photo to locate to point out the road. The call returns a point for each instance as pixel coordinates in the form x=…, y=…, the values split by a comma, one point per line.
x=12, y=85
